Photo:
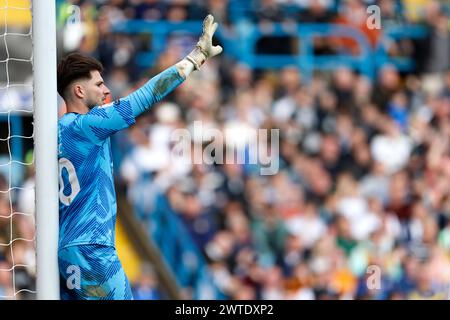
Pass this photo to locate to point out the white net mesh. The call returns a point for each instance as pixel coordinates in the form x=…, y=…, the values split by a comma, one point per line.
x=17, y=223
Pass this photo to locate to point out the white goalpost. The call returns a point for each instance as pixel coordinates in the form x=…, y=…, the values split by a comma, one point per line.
x=45, y=139
x=29, y=210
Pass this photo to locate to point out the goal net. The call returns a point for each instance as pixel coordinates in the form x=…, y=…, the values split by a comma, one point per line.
x=17, y=205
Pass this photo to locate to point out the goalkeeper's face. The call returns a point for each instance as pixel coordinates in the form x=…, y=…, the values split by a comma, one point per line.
x=96, y=90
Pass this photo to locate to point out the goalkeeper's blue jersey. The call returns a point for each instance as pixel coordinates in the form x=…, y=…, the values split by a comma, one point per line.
x=87, y=199
x=87, y=205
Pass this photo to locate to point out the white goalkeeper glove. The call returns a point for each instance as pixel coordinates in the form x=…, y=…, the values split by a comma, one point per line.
x=204, y=48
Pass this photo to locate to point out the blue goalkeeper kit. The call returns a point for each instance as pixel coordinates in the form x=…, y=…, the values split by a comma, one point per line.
x=87, y=200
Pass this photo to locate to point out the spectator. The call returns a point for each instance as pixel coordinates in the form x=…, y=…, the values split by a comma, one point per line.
x=146, y=286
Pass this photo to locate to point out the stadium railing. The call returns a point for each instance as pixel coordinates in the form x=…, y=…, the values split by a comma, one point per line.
x=396, y=33
x=306, y=60
x=240, y=44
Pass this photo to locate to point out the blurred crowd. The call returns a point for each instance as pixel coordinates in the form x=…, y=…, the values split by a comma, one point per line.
x=362, y=194
x=360, y=205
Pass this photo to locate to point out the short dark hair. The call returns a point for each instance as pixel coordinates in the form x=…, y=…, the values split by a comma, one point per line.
x=73, y=67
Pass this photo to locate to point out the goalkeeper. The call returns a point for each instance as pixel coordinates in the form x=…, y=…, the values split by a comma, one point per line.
x=88, y=263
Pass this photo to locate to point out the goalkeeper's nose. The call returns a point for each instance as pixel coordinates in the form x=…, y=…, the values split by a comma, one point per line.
x=106, y=91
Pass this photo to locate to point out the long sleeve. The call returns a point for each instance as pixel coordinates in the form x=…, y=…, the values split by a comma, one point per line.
x=103, y=121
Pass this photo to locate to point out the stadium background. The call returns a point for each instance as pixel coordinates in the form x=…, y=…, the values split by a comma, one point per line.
x=364, y=175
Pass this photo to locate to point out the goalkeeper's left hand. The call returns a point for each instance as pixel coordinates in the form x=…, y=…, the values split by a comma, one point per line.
x=204, y=48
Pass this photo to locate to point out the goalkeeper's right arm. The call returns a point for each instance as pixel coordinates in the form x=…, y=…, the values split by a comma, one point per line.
x=102, y=121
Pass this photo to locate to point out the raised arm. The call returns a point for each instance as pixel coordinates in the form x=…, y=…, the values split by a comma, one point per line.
x=102, y=121
x=162, y=84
